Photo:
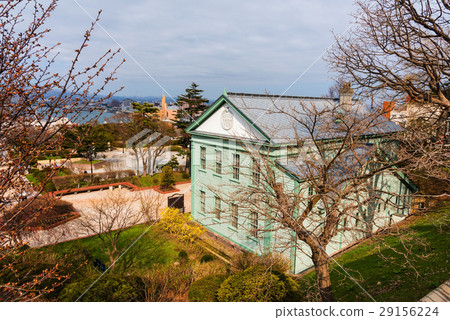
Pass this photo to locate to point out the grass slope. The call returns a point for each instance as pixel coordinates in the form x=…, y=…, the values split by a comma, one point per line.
x=155, y=247
x=402, y=266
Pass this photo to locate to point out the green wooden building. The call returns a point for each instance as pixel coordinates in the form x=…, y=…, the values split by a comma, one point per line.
x=221, y=164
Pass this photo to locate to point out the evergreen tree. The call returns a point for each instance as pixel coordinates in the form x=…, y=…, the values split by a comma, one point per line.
x=190, y=106
x=173, y=163
x=167, y=178
x=146, y=112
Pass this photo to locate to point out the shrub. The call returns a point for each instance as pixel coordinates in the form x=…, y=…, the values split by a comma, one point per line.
x=110, y=287
x=33, y=275
x=206, y=258
x=180, y=224
x=39, y=175
x=165, y=283
x=205, y=289
x=175, y=148
x=136, y=181
x=274, y=262
x=173, y=163
x=64, y=182
x=185, y=175
x=253, y=284
x=244, y=261
x=183, y=256
x=167, y=178
x=50, y=186
x=39, y=212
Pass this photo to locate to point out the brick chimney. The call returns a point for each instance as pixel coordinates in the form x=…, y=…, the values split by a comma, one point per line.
x=345, y=96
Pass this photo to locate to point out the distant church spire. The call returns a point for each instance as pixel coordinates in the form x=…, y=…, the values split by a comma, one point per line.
x=163, y=116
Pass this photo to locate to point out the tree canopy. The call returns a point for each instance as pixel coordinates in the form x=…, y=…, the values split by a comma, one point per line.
x=191, y=105
x=398, y=50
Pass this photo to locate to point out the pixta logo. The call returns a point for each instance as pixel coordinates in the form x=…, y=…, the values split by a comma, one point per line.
x=144, y=149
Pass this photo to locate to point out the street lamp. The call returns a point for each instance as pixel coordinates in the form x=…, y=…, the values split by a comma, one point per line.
x=91, y=154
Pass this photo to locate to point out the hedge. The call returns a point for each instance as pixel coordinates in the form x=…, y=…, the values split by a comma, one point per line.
x=110, y=288
x=205, y=289
x=74, y=181
x=257, y=284
x=35, y=213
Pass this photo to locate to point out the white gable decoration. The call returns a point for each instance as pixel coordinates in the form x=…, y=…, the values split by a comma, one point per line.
x=225, y=121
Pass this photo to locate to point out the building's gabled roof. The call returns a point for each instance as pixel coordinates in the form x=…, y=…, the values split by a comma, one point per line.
x=273, y=116
x=345, y=166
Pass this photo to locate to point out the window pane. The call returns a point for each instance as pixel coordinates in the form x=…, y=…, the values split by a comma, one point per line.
x=202, y=157
x=202, y=201
x=218, y=162
x=255, y=173
x=218, y=206
x=236, y=167
x=254, y=224
x=234, y=216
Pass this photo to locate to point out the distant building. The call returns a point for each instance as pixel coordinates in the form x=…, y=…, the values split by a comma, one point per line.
x=411, y=111
x=167, y=114
x=126, y=105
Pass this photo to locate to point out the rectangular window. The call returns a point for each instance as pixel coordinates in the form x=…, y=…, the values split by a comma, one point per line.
x=217, y=207
x=357, y=218
x=256, y=174
x=218, y=161
x=254, y=224
x=234, y=215
x=236, y=164
x=203, y=158
x=202, y=201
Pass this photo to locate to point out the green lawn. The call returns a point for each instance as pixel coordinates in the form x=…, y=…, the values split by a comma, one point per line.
x=32, y=179
x=397, y=267
x=147, y=181
x=84, y=161
x=155, y=247
x=155, y=251
x=53, y=158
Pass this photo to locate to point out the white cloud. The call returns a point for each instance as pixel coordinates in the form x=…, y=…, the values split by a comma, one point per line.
x=248, y=46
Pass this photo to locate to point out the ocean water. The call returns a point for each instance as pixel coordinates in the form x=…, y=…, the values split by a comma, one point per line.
x=86, y=116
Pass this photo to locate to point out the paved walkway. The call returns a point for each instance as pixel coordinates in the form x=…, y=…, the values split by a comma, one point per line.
x=440, y=294
x=82, y=203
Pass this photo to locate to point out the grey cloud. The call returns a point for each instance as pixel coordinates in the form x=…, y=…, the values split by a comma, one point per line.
x=247, y=45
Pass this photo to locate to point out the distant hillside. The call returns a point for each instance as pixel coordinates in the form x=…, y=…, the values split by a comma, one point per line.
x=117, y=97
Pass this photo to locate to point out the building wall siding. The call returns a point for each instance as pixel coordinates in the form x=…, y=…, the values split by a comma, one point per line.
x=211, y=183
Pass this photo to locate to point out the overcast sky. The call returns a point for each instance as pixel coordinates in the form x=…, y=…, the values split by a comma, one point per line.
x=242, y=46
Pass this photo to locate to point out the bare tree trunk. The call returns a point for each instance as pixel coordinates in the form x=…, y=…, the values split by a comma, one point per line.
x=320, y=260
x=137, y=161
x=144, y=161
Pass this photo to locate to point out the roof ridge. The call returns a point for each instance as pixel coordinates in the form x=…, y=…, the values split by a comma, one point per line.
x=277, y=96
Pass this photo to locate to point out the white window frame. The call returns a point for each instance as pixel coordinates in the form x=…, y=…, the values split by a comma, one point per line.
x=219, y=161
x=236, y=165
x=203, y=158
